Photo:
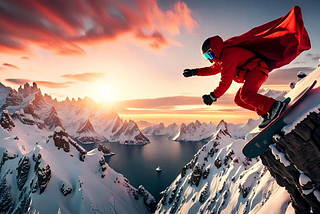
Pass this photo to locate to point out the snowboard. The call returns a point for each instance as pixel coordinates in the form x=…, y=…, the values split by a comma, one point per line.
x=260, y=142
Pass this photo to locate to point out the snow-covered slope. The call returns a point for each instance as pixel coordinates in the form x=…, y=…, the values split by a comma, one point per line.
x=84, y=120
x=48, y=172
x=220, y=179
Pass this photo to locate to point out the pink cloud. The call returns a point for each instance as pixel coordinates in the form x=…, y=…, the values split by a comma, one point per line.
x=63, y=26
x=85, y=77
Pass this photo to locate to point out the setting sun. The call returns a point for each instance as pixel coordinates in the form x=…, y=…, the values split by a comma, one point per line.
x=101, y=92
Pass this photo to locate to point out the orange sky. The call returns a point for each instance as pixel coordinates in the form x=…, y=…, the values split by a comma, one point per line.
x=133, y=52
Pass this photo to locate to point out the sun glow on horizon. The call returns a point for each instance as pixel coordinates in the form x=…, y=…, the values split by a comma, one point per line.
x=102, y=92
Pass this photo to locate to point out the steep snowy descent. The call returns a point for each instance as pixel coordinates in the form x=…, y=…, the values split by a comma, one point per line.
x=220, y=179
x=48, y=172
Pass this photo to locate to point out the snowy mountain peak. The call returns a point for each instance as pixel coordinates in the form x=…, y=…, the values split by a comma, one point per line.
x=52, y=119
x=222, y=129
x=26, y=90
x=85, y=127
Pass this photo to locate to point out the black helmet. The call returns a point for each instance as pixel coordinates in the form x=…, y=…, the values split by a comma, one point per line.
x=213, y=45
x=205, y=46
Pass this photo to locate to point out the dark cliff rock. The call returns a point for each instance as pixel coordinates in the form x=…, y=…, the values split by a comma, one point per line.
x=60, y=138
x=65, y=190
x=22, y=172
x=44, y=176
x=6, y=199
x=6, y=121
x=105, y=150
x=295, y=163
x=196, y=174
x=148, y=200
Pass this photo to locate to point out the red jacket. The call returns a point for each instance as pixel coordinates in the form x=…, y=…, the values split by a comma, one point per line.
x=277, y=43
x=231, y=67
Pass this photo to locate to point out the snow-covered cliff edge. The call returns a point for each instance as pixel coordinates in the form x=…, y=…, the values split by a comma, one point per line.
x=285, y=179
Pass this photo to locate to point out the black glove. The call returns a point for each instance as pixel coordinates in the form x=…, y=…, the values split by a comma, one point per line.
x=190, y=72
x=208, y=99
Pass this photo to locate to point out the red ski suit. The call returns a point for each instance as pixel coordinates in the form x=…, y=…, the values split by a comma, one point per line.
x=276, y=43
x=242, y=66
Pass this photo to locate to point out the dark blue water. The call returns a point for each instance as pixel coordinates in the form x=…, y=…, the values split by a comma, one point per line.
x=138, y=163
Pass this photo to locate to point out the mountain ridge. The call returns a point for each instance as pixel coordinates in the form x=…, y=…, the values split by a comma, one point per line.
x=31, y=107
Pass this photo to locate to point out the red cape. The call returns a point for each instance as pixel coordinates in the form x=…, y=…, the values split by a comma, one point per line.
x=277, y=42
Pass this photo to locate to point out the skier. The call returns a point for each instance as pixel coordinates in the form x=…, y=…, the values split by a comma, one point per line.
x=242, y=66
x=248, y=59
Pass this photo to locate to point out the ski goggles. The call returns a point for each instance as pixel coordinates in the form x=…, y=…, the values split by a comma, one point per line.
x=209, y=55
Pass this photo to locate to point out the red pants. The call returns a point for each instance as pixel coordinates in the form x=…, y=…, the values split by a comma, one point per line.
x=247, y=96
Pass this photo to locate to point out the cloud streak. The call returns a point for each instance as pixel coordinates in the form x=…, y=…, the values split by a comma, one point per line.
x=84, y=77
x=175, y=104
x=62, y=26
x=47, y=84
x=10, y=66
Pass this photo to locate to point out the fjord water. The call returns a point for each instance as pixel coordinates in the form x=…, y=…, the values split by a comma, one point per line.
x=138, y=163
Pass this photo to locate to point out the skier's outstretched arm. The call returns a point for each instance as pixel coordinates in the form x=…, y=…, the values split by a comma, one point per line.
x=206, y=71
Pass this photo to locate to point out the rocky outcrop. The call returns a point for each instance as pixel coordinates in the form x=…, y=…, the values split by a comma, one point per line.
x=148, y=199
x=62, y=140
x=6, y=121
x=196, y=174
x=294, y=160
x=22, y=171
x=6, y=199
x=43, y=172
x=105, y=150
x=65, y=189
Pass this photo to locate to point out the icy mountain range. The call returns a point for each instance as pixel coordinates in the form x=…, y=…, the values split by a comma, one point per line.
x=83, y=119
x=285, y=179
x=197, y=131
